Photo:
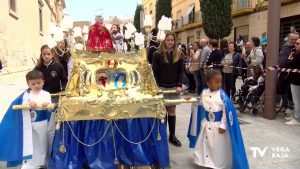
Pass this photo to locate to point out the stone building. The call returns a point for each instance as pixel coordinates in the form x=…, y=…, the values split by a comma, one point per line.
x=149, y=8
x=249, y=18
x=23, y=28
x=116, y=20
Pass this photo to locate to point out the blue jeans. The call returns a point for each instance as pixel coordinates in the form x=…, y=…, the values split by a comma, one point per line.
x=296, y=98
x=198, y=81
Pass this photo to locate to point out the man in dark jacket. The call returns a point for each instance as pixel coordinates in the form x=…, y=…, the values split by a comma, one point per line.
x=283, y=81
x=215, y=56
x=286, y=50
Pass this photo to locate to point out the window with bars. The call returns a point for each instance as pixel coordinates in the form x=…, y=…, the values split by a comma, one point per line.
x=13, y=8
x=285, y=24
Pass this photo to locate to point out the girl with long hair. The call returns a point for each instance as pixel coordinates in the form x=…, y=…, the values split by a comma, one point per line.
x=54, y=73
x=62, y=54
x=168, y=71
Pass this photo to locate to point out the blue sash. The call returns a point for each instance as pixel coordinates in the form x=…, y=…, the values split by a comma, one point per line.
x=38, y=115
x=215, y=116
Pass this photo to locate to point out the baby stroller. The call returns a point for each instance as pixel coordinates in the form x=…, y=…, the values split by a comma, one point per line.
x=253, y=100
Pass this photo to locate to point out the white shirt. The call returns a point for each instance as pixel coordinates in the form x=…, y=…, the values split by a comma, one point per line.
x=40, y=98
x=260, y=80
x=227, y=62
x=257, y=57
x=212, y=102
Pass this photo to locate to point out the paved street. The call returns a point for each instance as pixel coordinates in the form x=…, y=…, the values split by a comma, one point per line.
x=11, y=85
x=266, y=137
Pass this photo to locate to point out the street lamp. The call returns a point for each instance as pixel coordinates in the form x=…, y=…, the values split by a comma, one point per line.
x=148, y=21
x=147, y=26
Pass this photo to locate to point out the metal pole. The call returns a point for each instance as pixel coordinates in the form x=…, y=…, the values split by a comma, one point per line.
x=272, y=58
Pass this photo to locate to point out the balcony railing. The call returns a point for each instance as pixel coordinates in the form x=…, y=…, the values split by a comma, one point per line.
x=240, y=7
x=177, y=24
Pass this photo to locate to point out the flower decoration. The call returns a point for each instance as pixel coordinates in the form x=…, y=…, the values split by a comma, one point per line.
x=79, y=46
x=85, y=30
x=161, y=35
x=165, y=23
x=130, y=30
x=50, y=41
x=139, y=39
x=77, y=32
x=58, y=35
x=67, y=22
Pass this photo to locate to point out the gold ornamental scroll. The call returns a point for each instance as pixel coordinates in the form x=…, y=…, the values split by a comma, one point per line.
x=111, y=86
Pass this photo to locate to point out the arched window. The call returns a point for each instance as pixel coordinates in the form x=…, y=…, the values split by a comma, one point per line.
x=13, y=8
x=41, y=4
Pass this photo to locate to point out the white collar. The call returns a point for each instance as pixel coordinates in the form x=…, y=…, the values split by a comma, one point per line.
x=216, y=91
x=48, y=63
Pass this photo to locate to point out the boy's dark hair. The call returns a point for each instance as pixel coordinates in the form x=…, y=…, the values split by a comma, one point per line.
x=34, y=74
x=211, y=73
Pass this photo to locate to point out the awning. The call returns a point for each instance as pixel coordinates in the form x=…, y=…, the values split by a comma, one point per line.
x=187, y=13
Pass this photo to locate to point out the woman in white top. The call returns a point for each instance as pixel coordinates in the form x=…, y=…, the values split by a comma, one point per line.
x=256, y=55
x=195, y=67
x=230, y=73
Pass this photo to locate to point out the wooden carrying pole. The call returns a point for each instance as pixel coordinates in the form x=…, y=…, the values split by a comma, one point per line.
x=27, y=106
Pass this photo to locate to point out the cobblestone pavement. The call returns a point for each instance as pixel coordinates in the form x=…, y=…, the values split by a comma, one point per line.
x=260, y=134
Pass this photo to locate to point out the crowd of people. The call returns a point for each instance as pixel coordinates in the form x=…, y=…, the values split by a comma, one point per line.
x=232, y=59
x=238, y=58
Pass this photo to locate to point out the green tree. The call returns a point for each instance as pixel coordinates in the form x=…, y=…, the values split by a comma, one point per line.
x=163, y=7
x=137, y=18
x=216, y=18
